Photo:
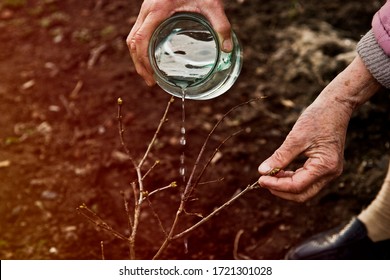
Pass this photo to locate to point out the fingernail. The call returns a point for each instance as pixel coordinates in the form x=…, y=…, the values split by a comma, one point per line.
x=227, y=45
x=264, y=168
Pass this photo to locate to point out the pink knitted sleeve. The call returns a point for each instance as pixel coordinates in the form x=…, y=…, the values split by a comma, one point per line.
x=381, y=27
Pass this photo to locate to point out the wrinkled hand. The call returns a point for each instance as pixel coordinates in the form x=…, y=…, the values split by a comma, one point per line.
x=153, y=12
x=319, y=134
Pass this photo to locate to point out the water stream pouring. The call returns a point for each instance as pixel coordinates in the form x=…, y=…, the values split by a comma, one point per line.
x=187, y=62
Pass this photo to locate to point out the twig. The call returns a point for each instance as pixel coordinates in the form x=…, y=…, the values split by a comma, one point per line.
x=150, y=169
x=210, y=159
x=65, y=102
x=163, y=119
x=134, y=188
x=236, y=241
x=199, y=215
x=137, y=213
x=211, y=182
x=141, y=192
x=157, y=217
x=75, y=92
x=102, y=249
x=126, y=204
x=188, y=188
x=95, y=54
x=216, y=211
x=95, y=219
x=121, y=131
x=171, y=185
x=201, y=222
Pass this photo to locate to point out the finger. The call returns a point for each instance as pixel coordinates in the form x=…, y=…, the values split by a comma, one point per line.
x=138, y=42
x=224, y=32
x=292, y=182
x=130, y=40
x=221, y=25
x=283, y=156
x=132, y=46
x=302, y=197
x=139, y=67
x=311, y=177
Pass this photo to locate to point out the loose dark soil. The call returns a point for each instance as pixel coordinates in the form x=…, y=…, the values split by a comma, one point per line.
x=63, y=65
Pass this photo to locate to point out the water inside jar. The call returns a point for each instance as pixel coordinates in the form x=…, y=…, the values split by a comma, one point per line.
x=186, y=56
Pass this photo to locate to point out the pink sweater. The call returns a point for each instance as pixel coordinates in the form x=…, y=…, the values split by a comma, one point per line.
x=381, y=27
x=374, y=47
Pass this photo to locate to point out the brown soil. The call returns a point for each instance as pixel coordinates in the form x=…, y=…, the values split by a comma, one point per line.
x=63, y=64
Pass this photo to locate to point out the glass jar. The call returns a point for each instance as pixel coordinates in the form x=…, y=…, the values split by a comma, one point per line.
x=187, y=61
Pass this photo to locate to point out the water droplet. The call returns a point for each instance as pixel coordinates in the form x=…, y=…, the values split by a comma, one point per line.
x=183, y=141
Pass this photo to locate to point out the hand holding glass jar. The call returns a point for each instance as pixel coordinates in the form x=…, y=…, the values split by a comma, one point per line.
x=154, y=12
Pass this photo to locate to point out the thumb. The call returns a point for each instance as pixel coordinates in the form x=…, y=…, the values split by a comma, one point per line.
x=222, y=26
x=226, y=42
x=281, y=158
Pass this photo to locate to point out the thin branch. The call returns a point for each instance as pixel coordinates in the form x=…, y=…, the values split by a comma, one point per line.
x=167, y=240
x=211, y=182
x=134, y=188
x=162, y=121
x=99, y=222
x=95, y=54
x=140, y=194
x=216, y=211
x=199, y=215
x=157, y=217
x=140, y=177
x=150, y=169
x=121, y=131
x=137, y=214
x=198, y=224
x=209, y=161
x=126, y=204
x=171, y=185
x=236, y=241
x=188, y=188
x=102, y=249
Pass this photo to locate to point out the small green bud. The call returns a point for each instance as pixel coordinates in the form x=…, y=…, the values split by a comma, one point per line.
x=145, y=193
x=274, y=171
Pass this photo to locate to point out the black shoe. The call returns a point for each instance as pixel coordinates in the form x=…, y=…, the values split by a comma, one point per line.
x=347, y=242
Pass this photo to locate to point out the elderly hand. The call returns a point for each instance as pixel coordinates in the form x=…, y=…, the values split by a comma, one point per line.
x=319, y=134
x=153, y=12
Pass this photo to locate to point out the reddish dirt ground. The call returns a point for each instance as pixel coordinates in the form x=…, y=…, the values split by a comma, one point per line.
x=63, y=65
